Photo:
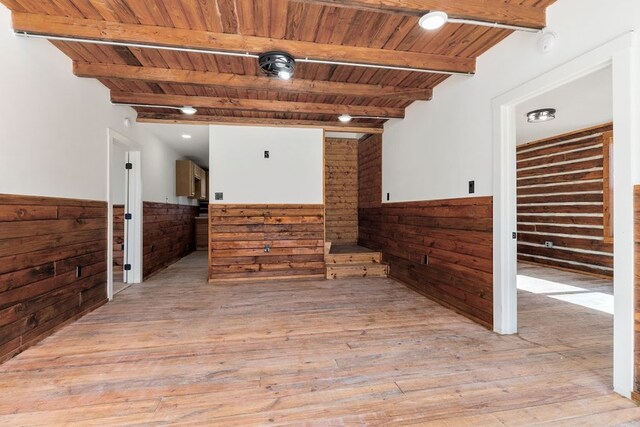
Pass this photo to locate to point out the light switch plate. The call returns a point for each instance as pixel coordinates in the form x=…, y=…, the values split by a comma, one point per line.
x=219, y=196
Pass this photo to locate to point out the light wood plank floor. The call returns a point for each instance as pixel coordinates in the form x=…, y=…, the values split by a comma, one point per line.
x=176, y=350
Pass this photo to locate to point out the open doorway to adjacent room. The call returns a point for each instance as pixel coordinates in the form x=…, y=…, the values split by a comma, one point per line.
x=564, y=185
x=172, y=231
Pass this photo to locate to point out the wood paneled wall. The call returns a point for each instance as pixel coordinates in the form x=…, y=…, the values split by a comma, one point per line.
x=442, y=249
x=42, y=241
x=561, y=199
x=370, y=172
x=239, y=235
x=202, y=233
x=341, y=191
x=169, y=233
x=118, y=236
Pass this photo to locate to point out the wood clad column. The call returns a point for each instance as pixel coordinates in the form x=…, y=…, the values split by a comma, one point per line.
x=341, y=191
x=636, y=394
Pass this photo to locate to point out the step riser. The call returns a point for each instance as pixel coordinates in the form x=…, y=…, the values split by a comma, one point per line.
x=368, y=258
x=345, y=272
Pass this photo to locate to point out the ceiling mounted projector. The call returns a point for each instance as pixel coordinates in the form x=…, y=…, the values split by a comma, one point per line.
x=277, y=64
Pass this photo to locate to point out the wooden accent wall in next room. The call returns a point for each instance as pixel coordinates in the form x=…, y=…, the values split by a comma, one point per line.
x=169, y=233
x=565, y=199
x=341, y=190
x=53, y=266
x=258, y=242
x=443, y=249
x=636, y=394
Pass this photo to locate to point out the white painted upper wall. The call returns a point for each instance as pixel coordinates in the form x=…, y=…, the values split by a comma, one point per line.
x=293, y=173
x=580, y=104
x=444, y=143
x=53, y=127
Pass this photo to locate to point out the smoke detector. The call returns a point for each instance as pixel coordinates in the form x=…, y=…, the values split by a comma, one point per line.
x=547, y=42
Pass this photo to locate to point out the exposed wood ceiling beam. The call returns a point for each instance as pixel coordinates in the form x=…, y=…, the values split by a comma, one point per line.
x=482, y=10
x=254, y=105
x=208, y=120
x=205, y=78
x=175, y=37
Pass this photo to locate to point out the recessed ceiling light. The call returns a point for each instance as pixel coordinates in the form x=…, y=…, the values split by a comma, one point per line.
x=185, y=136
x=433, y=20
x=277, y=64
x=542, y=115
x=187, y=109
x=345, y=118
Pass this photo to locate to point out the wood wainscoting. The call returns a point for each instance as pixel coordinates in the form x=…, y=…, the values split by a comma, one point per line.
x=443, y=249
x=341, y=190
x=53, y=266
x=169, y=233
x=564, y=195
x=240, y=236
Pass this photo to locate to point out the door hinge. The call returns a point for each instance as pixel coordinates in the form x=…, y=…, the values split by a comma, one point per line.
x=128, y=165
x=127, y=267
x=128, y=216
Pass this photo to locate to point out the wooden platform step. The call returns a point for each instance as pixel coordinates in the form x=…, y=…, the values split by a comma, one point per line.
x=343, y=271
x=354, y=258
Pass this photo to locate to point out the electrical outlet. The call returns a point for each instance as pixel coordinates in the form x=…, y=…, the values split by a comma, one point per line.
x=472, y=187
x=267, y=248
x=425, y=260
x=78, y=271
x=218, y=196
x=266, y=154
x=548, y=244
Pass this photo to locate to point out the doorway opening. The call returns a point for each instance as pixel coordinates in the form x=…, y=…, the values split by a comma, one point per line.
x=564, y=206
x=619, y=55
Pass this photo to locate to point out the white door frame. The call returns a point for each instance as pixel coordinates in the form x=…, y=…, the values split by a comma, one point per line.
x=621, y=54
x=135, y=229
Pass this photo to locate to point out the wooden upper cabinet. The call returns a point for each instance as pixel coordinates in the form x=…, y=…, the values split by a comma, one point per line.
x=190, y=180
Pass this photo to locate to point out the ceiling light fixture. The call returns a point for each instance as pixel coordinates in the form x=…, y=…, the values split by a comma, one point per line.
x=185, y=136
x=433, y=20
x=188, y=110
x=436, y=19
x=277, y=64
x=542, y=115
x=345, y=118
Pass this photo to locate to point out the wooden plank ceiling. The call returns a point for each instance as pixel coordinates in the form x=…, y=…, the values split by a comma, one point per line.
x=233, y=89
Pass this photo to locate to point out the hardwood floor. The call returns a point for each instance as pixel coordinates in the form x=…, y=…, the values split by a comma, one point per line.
x=176, y=350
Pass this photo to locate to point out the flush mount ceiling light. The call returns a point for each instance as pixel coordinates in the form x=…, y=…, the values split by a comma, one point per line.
x=436, y=19
x=188, y=110
x=345, y=118
x=542, y=115
x=277, y=64
x=185, y=136
x=433, y=20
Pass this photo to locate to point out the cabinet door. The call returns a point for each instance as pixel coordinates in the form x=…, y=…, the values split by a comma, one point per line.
x=184, y=179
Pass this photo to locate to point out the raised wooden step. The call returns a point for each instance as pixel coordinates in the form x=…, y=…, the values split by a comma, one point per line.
x=354, y=258
x=343, y=271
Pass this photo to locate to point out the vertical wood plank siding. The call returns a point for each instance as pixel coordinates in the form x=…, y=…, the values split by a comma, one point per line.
x=341, y=191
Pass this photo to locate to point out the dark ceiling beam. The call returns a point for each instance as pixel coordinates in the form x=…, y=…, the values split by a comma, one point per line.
x=233, y=81
x=495, y=11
